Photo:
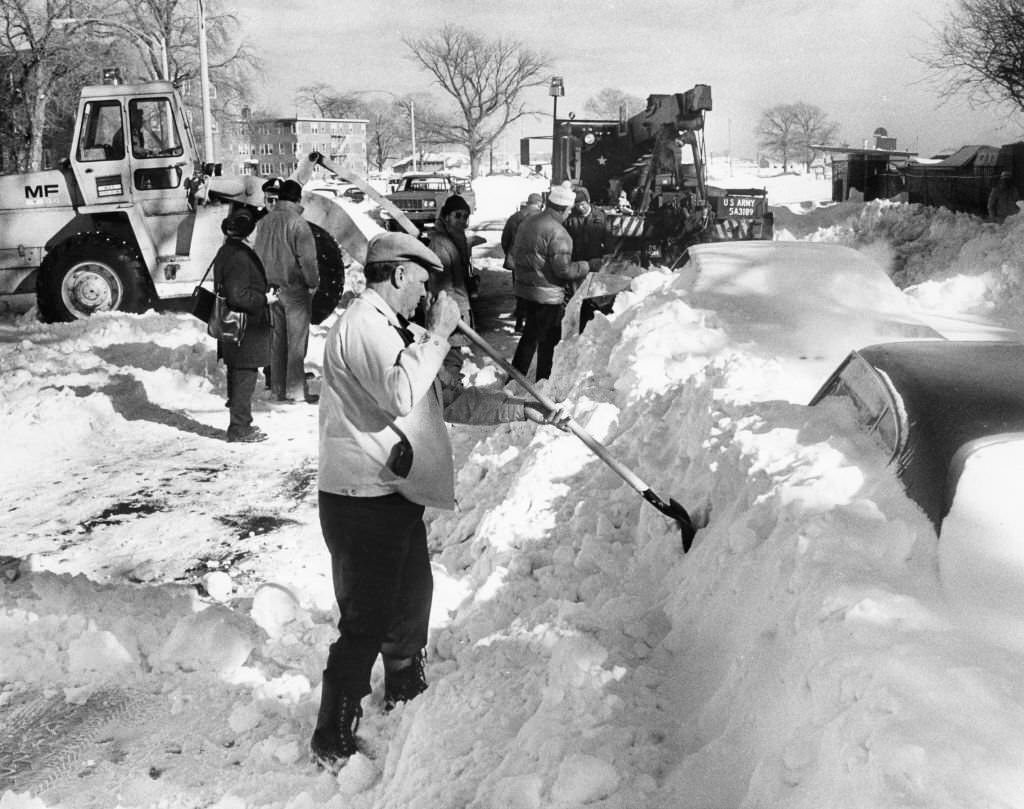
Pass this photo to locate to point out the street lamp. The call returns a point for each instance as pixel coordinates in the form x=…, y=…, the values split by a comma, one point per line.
x=556, y=89
x=159, y=41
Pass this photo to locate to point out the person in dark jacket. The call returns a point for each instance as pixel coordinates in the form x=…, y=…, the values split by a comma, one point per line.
x=542, y=253
x=287, y=248
x=588, y=227
x=239, y=276
x=589, y=230
x=508, y=237
x=1002, y=200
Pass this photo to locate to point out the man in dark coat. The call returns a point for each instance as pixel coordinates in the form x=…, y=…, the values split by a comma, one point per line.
x=287, y=248
x=588, y=227
x=238, y=275
x=1002, y=200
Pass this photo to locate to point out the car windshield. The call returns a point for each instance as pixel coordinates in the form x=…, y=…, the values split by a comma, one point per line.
x=427, y=184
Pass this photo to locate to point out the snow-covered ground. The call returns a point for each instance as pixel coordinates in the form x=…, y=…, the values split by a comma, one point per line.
x=166, y=604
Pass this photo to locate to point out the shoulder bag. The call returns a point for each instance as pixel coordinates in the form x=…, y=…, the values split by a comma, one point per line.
x=201, y=304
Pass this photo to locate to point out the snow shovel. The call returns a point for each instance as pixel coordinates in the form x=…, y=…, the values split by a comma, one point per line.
x=671, y=509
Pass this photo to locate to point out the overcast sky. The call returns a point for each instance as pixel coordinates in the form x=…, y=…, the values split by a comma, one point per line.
x=854, y=59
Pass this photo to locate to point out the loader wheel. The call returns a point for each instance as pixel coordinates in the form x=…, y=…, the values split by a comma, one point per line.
x=89, y=273
x=331, y=264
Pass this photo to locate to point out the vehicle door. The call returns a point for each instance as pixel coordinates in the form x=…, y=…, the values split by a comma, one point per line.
x=99, y=153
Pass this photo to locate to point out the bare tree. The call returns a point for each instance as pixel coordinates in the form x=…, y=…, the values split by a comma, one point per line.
x=609, y=102
x=485, y=77
x=36, y=56
x=790, y=131
x=979, y=50
x=327, y=101
x=813, y=128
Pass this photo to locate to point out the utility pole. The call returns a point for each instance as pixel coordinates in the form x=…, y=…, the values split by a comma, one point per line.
x=204, y=81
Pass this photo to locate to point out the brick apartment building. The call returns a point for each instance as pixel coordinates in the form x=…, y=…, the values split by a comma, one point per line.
x=272, y=147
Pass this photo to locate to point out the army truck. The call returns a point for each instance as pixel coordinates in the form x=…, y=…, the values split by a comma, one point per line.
x=648, y=173
x=131, y=219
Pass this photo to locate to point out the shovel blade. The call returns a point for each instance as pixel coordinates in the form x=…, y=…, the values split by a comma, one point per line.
x=674, y=510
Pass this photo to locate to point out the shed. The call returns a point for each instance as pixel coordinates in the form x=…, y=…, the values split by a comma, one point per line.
x=869, y=173
x=962, y=181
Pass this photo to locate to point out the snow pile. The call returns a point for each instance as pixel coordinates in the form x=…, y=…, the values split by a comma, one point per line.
x=805, y=653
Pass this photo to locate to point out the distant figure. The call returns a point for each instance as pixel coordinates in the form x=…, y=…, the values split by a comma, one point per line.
x=588, y=227
x=1002, y=200
x=508, y=237
x=542, y=253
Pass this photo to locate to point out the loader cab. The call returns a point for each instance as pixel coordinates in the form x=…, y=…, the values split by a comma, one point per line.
x=133, y=146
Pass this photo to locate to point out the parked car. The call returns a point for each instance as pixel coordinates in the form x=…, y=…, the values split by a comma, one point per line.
x=420, y=197
x=931, y=405
x=949, y=416
x=803, y=305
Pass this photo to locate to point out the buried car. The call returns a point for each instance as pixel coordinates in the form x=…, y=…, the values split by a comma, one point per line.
x=801, y=305
x=949, y=414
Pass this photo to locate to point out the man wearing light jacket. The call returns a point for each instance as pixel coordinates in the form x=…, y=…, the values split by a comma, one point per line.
x=285, y=245
x=388, y=388
x=542, y=254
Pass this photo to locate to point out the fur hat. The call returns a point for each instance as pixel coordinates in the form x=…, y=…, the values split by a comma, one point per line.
x=239, y=223
x=582, y=195
x=454, y=203
x=400, y=247
x=561, y=197
x=290, y=191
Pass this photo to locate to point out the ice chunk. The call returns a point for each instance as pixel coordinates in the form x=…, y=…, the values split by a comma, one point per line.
x=98, y=652
x=273, y=607
x=212, y=640
x=584, y=779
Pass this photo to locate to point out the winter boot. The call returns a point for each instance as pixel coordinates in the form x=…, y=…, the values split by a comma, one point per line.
x=403, y=680
x=334, y=738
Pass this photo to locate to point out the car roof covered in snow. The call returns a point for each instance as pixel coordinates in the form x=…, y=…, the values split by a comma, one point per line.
x=949, y=393
x=809, y=303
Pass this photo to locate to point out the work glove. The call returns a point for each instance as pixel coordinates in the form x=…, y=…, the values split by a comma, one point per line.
x=536, y=412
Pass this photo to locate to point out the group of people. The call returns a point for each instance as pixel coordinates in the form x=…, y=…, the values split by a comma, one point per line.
x=550, y=250
x=273, y=283
x=391, y=382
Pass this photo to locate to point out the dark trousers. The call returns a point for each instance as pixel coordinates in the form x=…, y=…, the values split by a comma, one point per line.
x=541, y=333
x=241, y=384
x=382, y=580
x=289, y=341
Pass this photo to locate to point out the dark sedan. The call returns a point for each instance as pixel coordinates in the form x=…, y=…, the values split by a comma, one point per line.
x=933, y=405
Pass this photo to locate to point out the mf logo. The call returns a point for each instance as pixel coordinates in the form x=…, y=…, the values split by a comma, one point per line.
x=41, y=191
